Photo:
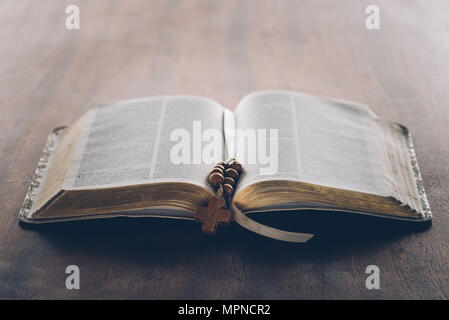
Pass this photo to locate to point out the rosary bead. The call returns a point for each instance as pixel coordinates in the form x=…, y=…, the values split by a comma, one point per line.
x=228, y=189
x=232, y=173
x=222, y=163
x=229, y=180
x=217, y=170
x=235, y=165
x=219, y=166
x=215, y=179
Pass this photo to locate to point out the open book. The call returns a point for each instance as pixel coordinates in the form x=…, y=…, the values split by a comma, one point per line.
x=151, y=157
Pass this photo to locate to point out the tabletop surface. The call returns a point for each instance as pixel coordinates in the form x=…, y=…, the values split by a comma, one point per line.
x=222, y=50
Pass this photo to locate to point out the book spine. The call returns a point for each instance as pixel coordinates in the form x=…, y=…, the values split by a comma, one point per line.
x=26, y=212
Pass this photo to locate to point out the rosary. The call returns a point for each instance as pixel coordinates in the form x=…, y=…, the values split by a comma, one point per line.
x=223, y=178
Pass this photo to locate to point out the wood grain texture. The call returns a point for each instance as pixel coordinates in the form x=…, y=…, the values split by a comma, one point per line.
x=222, y=50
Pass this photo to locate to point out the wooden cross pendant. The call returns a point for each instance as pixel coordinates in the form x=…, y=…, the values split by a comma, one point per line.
x=212, y=215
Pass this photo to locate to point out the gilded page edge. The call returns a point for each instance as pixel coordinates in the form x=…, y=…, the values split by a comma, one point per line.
x=426, y=212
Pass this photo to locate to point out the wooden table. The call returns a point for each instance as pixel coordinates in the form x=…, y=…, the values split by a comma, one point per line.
x=222, y=50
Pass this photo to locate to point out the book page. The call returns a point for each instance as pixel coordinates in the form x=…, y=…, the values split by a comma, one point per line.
x=327, y=142
x=130, y=142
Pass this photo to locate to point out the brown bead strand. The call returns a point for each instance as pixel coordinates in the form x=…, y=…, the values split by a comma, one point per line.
x=216, y=175
x=225, y=174
x=232, y=174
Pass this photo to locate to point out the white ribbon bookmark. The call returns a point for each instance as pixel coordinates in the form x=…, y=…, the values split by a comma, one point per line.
x=267, y=231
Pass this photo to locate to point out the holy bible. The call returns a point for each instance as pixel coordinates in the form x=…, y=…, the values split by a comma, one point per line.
x=151, y=157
